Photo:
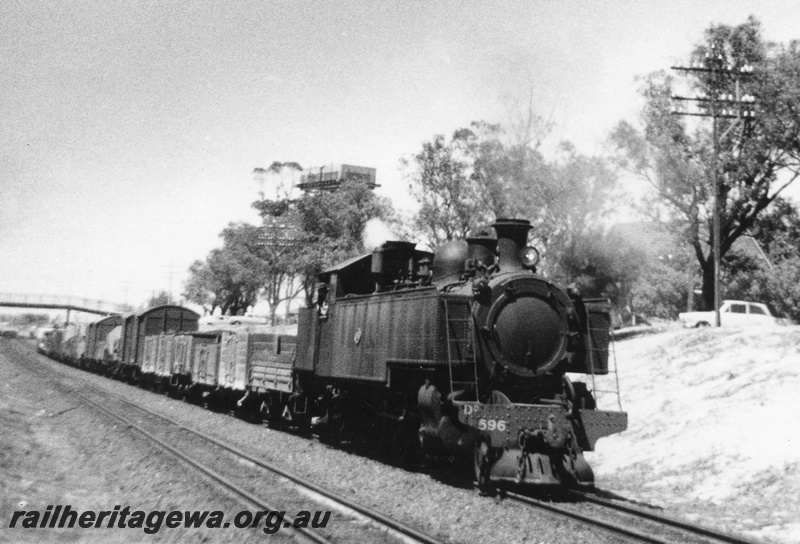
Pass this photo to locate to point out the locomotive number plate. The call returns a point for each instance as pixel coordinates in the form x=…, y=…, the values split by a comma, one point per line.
x=472, y=411
x=503, y=422
x=491, y=424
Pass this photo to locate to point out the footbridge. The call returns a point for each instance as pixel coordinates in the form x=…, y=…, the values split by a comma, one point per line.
x=58, y=302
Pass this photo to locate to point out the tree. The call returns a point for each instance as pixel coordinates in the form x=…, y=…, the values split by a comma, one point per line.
x=200, y=287
x=573, y=200
x=276, y=188
x=26, y=319
x=487, y=171
x=777, y=230
x=784, y=283
x=757, y=160
x=303, y=235
x=663, y=286
x=332, y=225
x=159, y=299
x=774, y=277
x=603, y=265
x=280, y=237
x=452, y=195
x=281, y=244
x=231, y=276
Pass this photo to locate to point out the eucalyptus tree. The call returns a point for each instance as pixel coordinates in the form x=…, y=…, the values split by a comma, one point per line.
x=231, y=277
x=755, y=160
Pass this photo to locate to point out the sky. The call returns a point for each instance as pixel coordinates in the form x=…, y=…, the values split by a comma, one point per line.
x=130, y=130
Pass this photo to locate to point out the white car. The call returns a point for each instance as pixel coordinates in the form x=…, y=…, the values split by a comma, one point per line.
x=732, y=313
x=247, y=319
x=210, y=321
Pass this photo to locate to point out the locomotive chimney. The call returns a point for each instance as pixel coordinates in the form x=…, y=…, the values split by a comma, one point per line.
x=512, y=237
x=392, y=256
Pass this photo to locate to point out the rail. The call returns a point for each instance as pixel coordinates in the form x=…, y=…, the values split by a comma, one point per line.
x=657, y=534
x=170, y=442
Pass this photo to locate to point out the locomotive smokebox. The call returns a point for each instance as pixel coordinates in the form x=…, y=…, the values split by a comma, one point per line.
x=512, y=237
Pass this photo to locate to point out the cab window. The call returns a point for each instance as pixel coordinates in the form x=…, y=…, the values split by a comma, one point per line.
x=739, y=308
x=757, y=310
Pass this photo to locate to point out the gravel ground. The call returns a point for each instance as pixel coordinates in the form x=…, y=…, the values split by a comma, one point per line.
x=55, y=451
x=423, y=500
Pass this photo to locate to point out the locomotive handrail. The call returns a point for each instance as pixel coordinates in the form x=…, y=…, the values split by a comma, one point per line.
x=355, y=296
x=613, y=352
x=448, y=340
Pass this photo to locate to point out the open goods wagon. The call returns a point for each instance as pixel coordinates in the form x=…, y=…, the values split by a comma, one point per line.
x=251, y=363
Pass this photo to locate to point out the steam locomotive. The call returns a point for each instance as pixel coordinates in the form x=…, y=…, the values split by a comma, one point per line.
x=462, y=352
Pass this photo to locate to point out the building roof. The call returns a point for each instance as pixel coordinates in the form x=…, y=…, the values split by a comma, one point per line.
x=655, y=239
x=651, y=238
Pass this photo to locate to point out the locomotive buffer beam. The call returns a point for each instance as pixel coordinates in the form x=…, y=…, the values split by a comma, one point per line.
x=503, y=424
x=537, y=444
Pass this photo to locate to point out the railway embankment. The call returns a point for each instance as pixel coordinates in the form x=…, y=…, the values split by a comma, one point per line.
x=714, y=428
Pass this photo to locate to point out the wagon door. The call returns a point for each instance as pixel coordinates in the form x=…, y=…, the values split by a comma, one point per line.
x=206, y=363
x=227, y=359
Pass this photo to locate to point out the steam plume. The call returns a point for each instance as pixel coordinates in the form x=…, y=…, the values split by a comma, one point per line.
x=376, y=232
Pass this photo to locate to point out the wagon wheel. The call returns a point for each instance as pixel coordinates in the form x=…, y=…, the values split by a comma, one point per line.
x=268, y=415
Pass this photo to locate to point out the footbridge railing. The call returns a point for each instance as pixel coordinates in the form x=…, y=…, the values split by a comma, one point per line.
x=59, y=302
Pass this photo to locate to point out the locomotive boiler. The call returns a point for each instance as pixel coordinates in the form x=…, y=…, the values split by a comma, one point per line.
x=467, y=349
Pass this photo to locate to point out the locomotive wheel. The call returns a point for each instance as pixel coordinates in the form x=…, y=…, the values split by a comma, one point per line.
x=483, y=467
x=337, y=422
x=410, y=447
x=584, y=475
x=335, y=428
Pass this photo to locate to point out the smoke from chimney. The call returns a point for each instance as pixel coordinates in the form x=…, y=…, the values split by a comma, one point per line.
x=376, y=232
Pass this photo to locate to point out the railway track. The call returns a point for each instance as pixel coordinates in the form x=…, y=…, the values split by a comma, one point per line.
x=636, y=524
x=383, y=523
x=245, y=476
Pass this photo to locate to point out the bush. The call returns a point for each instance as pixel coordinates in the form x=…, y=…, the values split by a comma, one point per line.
x=661, y=292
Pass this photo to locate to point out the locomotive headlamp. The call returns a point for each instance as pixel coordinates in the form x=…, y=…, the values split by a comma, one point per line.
x=529, y=257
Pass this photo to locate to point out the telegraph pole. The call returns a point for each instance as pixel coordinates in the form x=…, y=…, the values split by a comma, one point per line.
x=718, y=105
